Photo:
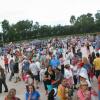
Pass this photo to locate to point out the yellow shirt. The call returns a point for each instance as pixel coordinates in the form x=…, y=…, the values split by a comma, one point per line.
x=62, y=92
x=96, y=63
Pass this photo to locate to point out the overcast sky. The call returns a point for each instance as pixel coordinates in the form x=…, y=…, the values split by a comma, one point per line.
x=48, y=12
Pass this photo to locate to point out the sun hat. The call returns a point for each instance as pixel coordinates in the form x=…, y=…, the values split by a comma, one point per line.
x=83, y=73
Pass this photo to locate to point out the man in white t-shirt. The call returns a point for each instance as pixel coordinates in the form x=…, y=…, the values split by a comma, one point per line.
x=35, y=70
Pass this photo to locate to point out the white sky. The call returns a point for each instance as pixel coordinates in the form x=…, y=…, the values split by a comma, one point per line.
x=48, y=12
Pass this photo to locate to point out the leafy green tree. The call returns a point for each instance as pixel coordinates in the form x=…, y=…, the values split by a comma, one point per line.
x=23, y=27
x=5, y=26
x=12, y=34
x=97, y=16
x=84, y=23
x=35, y=29
x=45, y=30
x=97, y=22
x=72, y=19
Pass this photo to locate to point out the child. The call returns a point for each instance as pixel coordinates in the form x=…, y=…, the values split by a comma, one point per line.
x=25, y=77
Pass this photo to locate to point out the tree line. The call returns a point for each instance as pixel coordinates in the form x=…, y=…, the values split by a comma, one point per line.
x=25, y=29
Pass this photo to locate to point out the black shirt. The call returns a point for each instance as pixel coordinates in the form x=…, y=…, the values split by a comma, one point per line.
x=51, y=75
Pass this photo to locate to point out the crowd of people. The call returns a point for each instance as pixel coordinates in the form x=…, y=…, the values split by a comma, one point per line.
x=65, y=66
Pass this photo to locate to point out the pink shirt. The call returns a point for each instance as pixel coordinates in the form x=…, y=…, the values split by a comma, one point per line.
x=83, y=96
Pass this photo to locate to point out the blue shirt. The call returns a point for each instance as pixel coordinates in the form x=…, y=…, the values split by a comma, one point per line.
x=87, y=67
x=34, y=95
x=54, y=63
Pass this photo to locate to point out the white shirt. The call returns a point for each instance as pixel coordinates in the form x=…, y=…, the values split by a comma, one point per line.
x=74, y=69
x=38, y=65
x=68, y=73
x=34, y=69
x=84, y=52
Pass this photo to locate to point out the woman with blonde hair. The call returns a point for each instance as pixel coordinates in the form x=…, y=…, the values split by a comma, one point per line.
x=83, y=93
x=85, y=60
x=87, y=65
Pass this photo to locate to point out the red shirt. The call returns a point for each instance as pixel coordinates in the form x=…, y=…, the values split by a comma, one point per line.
x=99, y=82
x=5, y=60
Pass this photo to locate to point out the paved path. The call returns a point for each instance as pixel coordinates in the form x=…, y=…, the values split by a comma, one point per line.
x=20, y=88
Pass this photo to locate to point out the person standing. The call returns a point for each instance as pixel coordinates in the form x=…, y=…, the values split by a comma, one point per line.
x=38, y=64
x=96, y=64
x=62, y=93
x=62, y=63
x=16, y=70
x=6, y=63
x=58, y=78
x=11, y=65
x=49, y=77
x=34, y=70
x=99, y=86
x=3, y=80
x=97, y=40
x=83, y=93
x=68, y=75
x=54, y=62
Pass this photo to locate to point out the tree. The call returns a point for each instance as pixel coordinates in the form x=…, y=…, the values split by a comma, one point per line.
x=12, y=34
x=5, y=26
x=97, y=22
x=97, y=16
x=35, y=29
x=85, y=23
x=5, y=29
x=23, y=27
x=72, y=20
x=45, y=30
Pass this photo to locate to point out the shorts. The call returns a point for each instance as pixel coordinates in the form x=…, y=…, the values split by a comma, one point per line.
x=36, y=77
